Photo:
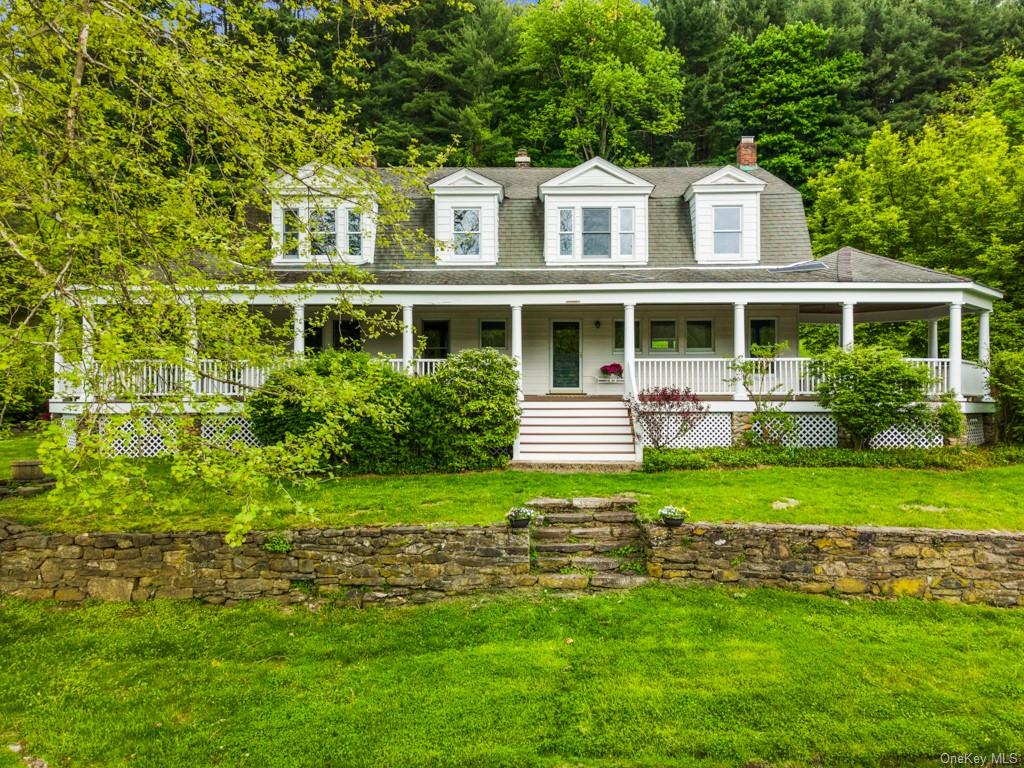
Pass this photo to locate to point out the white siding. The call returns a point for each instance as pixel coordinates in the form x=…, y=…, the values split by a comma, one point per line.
x=552, y=202
x=702, y=207
x=443, y=207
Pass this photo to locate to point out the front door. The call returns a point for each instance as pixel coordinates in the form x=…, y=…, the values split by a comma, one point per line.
x=565, y=355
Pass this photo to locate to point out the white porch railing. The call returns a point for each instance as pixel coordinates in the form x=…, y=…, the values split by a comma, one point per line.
x=421, y=366
x=715, y=375
x=938, y=367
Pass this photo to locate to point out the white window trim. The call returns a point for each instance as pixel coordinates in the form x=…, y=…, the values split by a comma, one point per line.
x=650, y=335
x=577, y=256
x=480, y=331
x=732, y=255
x=477, y=257
x=304, y=206
x=700, y=350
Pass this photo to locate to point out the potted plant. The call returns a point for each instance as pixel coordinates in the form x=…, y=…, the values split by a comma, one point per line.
x=520, y=517
x=671, y=516
x=612, y=370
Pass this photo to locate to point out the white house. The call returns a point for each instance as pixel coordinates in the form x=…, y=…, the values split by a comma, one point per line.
x=671, y=272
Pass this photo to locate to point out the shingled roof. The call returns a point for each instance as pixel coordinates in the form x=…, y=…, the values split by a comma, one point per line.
x=784, y=237
x=843, y=266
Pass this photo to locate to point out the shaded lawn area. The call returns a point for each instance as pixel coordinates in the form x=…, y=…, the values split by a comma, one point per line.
x=15, y=448
x=975, y=499
x=658, y=676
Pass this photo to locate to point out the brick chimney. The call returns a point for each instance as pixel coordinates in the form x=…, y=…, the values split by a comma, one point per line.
x=522, y=159
x=746, y=153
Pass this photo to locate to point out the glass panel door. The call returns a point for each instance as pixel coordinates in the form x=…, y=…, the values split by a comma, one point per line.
x=565, y=354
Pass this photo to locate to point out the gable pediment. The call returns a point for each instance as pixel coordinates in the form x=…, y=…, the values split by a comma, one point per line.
x=727, y=179
x=467, y=182
x=595, y=176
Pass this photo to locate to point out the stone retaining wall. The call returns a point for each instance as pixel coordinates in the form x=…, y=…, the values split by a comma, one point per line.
x=955, y=566
x=574, y=544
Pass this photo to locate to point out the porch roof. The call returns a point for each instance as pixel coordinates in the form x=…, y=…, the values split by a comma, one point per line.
x=847, y=265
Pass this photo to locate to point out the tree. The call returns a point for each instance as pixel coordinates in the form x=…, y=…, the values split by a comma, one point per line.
x=598, y=79
x=798, y=100
x=948, y=198
x=870, y=389
x=138, y=149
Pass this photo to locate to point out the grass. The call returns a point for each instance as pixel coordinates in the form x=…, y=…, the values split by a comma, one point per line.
x=659, y=676
x=986, y=498
x=15, y=448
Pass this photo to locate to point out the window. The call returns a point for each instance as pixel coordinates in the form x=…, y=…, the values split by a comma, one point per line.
x=323, y=238
x=348, y=334
x=597, y=233
x=700, y=336
x=355, y=233
x=728, y=230
x=619, y=344
x=492, y=334
x=436, y=334
x=290, y=234
x=763, y=332
x=626, y=228
x=663, y=336
x=566, y=229
x=466, y=228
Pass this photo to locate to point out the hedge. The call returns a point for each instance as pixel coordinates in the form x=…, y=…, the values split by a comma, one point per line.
x=953, y=458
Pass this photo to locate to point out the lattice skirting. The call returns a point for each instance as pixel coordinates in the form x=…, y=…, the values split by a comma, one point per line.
x=714, y=430
x=975, y=430
x=151, y=436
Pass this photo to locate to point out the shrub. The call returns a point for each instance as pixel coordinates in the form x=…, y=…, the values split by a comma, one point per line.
x=870, y=389
x=1006, y=382
x=355, y=405
x=663, y=414
x=949, y=418
x=465, y=416
x=769, y=423
x=476, y=397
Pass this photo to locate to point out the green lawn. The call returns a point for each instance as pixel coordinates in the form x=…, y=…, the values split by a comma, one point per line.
x=659, y=676
x=977, y=498
x=15, y=449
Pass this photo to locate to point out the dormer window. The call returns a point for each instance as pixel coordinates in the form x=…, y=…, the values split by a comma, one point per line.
x=355, y=234
x=466, y=207
x=725, y=211
x=323, y=233
x=597, y=233
x=466, y=231
x=291, y=228
x=595, y=213
x=728, y=223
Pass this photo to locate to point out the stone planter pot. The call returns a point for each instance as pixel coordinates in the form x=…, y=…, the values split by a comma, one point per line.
x=30, y=471
x=519, y=522
x=672, y=522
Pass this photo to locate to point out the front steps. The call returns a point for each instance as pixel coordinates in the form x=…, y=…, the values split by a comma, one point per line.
x=577, y=432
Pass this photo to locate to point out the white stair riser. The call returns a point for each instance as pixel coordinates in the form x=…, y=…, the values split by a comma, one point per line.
x=541, y=404
x=573, y=422
x=578, y=458
x=582, y=429
x=588, y=442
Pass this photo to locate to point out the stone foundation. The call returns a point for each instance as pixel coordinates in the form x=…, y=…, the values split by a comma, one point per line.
x=574, y=544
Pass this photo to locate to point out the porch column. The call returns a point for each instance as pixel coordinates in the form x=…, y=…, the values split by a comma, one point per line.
x=628, y=349
x=192, y=355
x=955, y=347
x=517, y=343
x=86, y=371
x=847, y=327
x=933, y=338
x=983, y=336
x=59, y=373
x=739, y=345
x=407, y=336
x=299, y=328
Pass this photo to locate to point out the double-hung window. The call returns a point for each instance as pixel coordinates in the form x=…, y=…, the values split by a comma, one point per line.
x=627, y=228
x=728, y=230
x=597, y=233
x=566, y=231
x=492, y=334
x=466, y=231
x=663, y=336
x=290, y=233
x=323, y=236
x=700, y=336
x=355, y=233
